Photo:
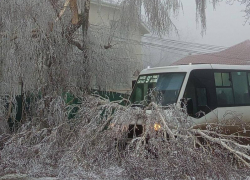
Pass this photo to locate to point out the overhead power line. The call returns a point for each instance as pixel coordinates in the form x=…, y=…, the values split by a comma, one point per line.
x=172, y=46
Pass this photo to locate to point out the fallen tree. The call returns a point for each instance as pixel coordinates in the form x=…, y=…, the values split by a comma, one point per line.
x=95, y=142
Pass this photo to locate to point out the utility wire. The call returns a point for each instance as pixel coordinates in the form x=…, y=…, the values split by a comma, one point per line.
x=206, y=49
x=193, y=47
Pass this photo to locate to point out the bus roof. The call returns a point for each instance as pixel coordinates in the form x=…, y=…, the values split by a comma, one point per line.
x=190, y=67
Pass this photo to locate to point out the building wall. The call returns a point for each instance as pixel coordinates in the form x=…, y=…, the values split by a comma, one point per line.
x=103, y=15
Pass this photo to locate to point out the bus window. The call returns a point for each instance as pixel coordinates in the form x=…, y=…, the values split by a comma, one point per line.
x=240, y=88
x=232, y=88
x=248, y=79
x=201, y=89
x=224, y=89
x=161, y=88
x=201, y=96
x=222, y=79
x=224, y=96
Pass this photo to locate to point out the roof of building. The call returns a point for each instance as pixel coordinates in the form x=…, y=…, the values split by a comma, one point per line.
x=238, y=54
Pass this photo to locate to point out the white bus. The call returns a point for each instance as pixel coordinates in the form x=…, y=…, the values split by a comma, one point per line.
x=218, y=91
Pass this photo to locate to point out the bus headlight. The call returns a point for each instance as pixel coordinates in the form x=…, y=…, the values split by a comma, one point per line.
x=157, y=127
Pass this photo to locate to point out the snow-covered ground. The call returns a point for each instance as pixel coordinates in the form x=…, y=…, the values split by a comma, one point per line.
x=24, y=177
x=113, y=173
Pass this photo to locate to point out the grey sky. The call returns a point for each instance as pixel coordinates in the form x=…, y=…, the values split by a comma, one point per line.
x=225, y=25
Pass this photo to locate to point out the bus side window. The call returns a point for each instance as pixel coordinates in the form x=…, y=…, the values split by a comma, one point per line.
x=224, y=89
x=190, y=94
x=248, y=77
x=240, y=88
x=232, y=88
x=201, y=89
x=201, y=96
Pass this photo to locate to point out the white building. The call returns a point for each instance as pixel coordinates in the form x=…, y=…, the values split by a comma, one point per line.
x=109, y=16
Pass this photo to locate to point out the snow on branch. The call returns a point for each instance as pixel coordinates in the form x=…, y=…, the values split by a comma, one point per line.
x=95, y=141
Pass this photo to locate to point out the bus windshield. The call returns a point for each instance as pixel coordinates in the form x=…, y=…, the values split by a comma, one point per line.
x=160, y=88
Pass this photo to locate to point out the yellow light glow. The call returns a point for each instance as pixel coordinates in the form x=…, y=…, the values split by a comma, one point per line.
x=157, y=127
